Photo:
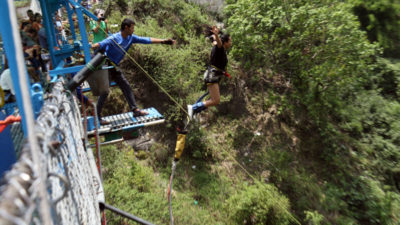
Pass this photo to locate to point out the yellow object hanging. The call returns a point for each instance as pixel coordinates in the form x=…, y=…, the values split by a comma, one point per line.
x=180, y=145
x=2, y=98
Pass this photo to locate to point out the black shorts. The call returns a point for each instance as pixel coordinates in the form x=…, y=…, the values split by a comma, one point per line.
x=212, y=75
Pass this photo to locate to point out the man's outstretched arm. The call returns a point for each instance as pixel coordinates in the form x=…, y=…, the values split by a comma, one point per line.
x=168, y=41
x=96, y=46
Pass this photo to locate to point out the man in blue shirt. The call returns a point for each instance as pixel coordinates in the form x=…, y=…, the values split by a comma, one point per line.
x=115, y=47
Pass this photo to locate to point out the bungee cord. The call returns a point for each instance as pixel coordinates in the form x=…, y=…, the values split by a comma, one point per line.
x=148, y=75
x=181, y=139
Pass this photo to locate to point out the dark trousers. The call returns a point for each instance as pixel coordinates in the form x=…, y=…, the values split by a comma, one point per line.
x=80, y=95
x=119, y=78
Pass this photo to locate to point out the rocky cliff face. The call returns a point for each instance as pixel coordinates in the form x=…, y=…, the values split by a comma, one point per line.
x=213, y=5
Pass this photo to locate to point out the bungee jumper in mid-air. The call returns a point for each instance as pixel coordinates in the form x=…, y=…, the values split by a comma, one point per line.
x=115, y=48
x=215, y=70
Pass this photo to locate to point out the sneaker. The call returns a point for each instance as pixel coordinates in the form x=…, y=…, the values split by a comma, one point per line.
x=190, y=111
x=138, y=112
x=104, y=122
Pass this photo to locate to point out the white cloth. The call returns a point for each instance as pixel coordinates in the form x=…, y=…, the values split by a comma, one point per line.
x=35, y=6
x=6, y=81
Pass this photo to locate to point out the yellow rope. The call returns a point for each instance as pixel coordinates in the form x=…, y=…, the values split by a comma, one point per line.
x=152, y=79
x=149, y=76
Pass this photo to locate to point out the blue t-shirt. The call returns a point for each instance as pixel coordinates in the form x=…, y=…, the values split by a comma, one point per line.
x=43, y=38
x=114, y=52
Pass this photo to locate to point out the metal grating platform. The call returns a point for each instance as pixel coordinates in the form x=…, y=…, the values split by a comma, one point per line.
x=17, y=137
x=126, y=121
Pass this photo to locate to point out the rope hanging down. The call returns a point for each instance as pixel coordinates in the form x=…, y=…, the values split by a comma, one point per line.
x=178, y=151
x=148, y=75
x=180, y=145
x=181, y=134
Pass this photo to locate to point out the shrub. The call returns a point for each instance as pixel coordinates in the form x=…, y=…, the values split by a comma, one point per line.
x=259, y=204
x=380, y=18
x=314, y=218
x=317, y=47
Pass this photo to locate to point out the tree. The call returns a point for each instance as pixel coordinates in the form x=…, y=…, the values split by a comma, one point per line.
x=317, y=47
x=381, y=20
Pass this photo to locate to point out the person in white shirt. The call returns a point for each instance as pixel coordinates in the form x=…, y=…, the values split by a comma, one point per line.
x=7, y=85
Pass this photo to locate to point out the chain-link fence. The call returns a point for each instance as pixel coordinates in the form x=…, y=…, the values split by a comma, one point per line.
x=73, y=185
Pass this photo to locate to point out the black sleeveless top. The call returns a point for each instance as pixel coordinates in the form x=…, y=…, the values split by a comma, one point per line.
x=218, y=57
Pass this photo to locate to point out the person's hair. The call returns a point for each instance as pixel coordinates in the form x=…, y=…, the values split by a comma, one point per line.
x=37, y=15
x=224, y=38
x=127, y=23
x=29, y=11
x=207, y=30
x=97, y=12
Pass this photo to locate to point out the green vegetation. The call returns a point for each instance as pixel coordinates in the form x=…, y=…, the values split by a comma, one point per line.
x=307, y=130
x=134, y=187
x=21, y=3
x=259, y=205
x=381, y=20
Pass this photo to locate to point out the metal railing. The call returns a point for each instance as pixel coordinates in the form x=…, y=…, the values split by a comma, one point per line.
x=74, y=187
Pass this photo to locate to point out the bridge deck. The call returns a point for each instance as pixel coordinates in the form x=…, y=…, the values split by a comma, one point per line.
x=126, y=121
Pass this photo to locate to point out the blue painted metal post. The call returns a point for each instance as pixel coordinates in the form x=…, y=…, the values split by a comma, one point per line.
x=82, y=29
x=49, y=7
x=49, y=28
x=7, y=153
x=71, y=21
x=13, y=48
x=2, y=57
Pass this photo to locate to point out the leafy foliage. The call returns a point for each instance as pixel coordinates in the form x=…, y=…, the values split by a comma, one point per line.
x=169, y=67
x=364, y=200
x=177, y=16
x=380, y=18
x=327, y=64
x=21, y=3
x=387, y=77
x=314, y=218
x=259, y=204
x=314, y=113
x=376, y=125
x=316, y=47
x=132, y=187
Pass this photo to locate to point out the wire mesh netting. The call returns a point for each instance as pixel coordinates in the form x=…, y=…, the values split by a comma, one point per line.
x=73, y=184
